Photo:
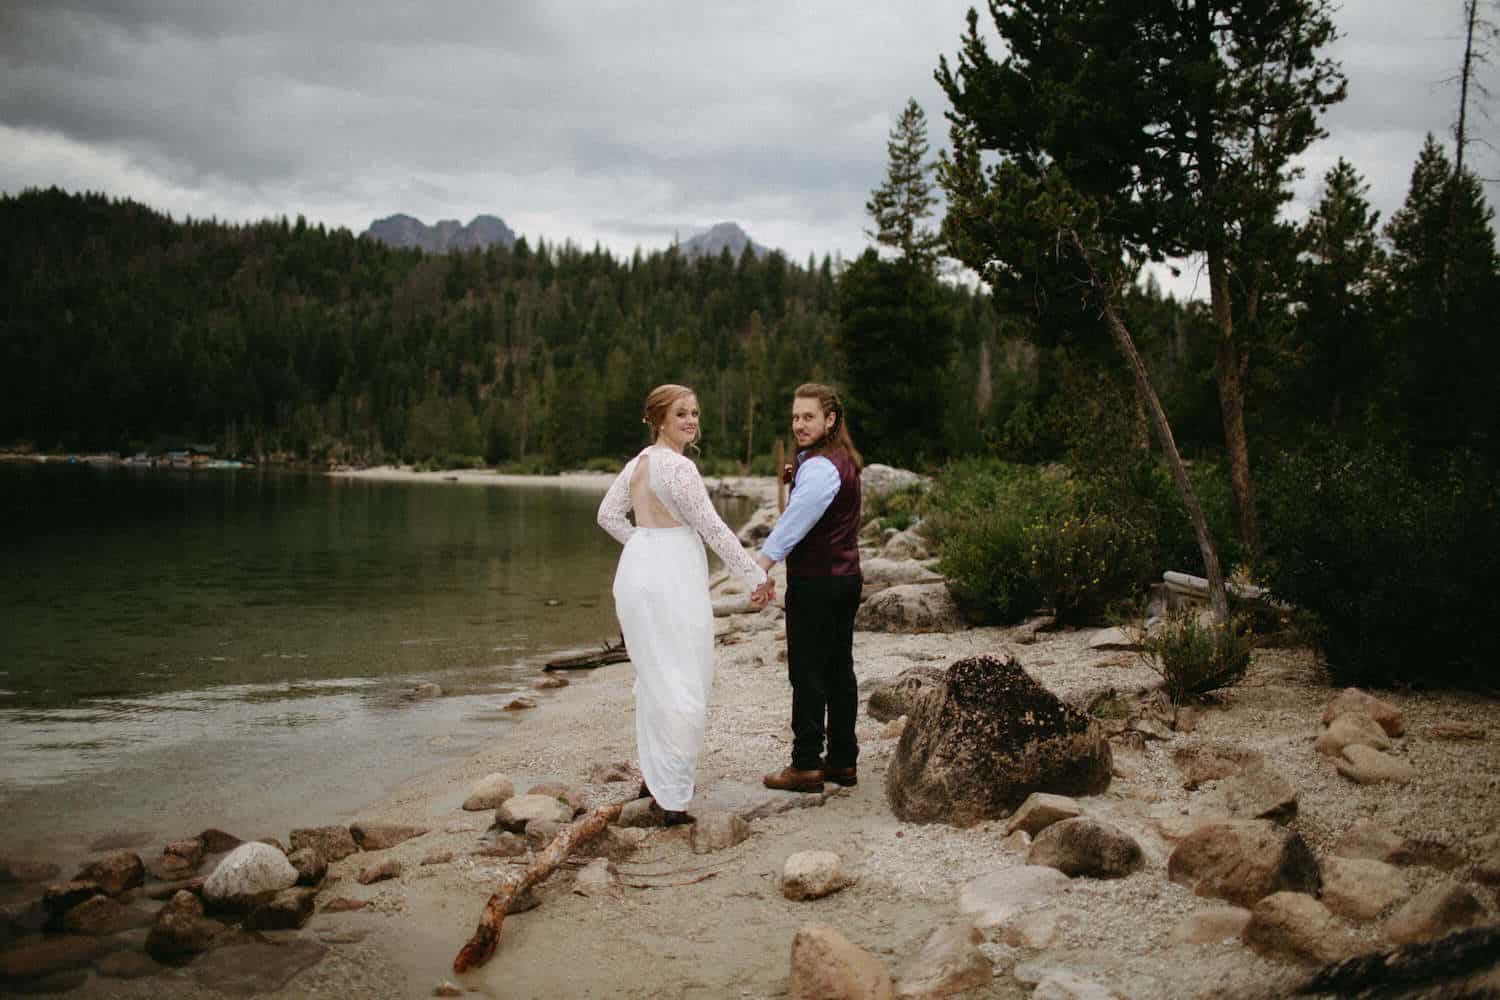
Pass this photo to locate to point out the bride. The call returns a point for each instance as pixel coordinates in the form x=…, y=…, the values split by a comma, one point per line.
x=661, y=594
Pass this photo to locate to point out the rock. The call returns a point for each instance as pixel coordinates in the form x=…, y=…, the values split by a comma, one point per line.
x=1434, y=912
x=34, y=956
x=880, y=573
x=641, y=813
x=181, y=928
x=894, y=728
x=1361, y=888
x=551, y=682
x=1295, y=926
x=1351, y=729
x=1041, y=810
x=1036, y=930
x=759, y=526
x=492, y=790
x=288, y=910
x=876, y=480
x=949, y=962
x=894, y=698
x=1368, y=766
x=910, y=608
x=812, y=875
x=717, y=831
x=60, y=897
x=827, y=966
x=615, y=843
x=595, y=878
x=381, y=836
x=309, y=864
x=520, y=703
x=504, y=845
x=343, y=904
x=1257, y=793
x=515, y=812
x=333, y=843
x=422, y=692
x=114, y=872
x=1243, y=861
x=126, y=965
x=1086, y=847
x=100, y=915
x=256, y=968
x=1463, y=964
x=541, y=832
x=906, y=544
x=447, y=989
x=607, y=772
x=216, y=841
x=993, y=899
x=1017, y=841
x=1353, y=700
x=246, y=873
x=379, y=872
x=189, y=851
x=574, y=797
x=21, y=870
x=1369, y=840
x=1115, y=638
x=976, y=748
x=1201, y=763
x=1212, y=926
x=1060, y=984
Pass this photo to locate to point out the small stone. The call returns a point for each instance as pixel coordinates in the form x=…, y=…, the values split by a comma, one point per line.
x=216, y=841
x=993, y=899
x=551, y=682
x=1036, y=930
x=492, y=790
x=607, y=772
x=289, y=909
x=1294, y=925
x=1361, y=888
x=181, y=929
x=343, y=904
x=520, y=704
x=380, y=871
x=641, y=813
x=114, y=872
x=447, y=989
x=1368, y=766
x=504, y=845
x=246, y=873
x=1436, y=911
x=1243, y=861
x=1212, y=926
x=60, y=897
x=717, y=831
x=189, y=850
x=812, y=875
x=382, y=836
x=438, y=858
x=574, y=797
x=309, y=864
x=1353, y=700
x=423, y=692
x=1041, y=810
x=334, y=843
x=828, y=966
x=1086, y=847
x=1351, y=729
x=594, y=878
x=949, y=962
x=514, y=813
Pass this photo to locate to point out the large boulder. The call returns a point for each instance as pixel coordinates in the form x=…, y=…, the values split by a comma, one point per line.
x=894, y=698
x=950, y=962
x=908, y=544
x=1295, y=926
x=181, y=929
x=491, y=790
x=247, y=875
x=1086, y=847
x=828, y=966
x=880, y=573
x=989, y=737
x=1361, y=888
x=758, y=528
x=1348, y=730
x=1353, y=700
x=910, y=608
x=1244, y=861
x=1041, y=810
x=1435, y=912
x=877, y=480
x=1368, y=766
x=515, y=812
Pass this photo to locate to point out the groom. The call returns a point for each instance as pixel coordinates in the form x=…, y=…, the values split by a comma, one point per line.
x=818, y=536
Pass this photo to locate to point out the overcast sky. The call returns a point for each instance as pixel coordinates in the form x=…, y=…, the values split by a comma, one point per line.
x=618, y=122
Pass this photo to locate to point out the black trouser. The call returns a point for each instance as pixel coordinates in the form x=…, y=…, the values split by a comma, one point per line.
x=820, y=664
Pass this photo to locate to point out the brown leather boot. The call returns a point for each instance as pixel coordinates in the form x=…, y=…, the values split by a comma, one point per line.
x=846, y=776
x=792, y=780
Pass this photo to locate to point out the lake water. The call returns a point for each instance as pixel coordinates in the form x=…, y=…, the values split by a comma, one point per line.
x=235, y=648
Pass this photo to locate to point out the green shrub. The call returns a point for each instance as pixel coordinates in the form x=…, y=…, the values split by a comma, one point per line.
x=1194, y=657
x=984, y=561
x=1081, y=563
x=898, y=508
x=1397, y=562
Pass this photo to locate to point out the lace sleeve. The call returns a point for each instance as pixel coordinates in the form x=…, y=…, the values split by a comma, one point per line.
x=615, y=505
x=685, y=486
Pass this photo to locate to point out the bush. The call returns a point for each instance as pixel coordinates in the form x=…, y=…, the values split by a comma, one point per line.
x=1396, y=562
x=1195, y=658
x=1081, y=563
x=898, y=508
x=984, y=560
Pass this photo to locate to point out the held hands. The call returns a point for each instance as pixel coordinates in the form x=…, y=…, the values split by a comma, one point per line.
x=788, y=473
x=764, y=594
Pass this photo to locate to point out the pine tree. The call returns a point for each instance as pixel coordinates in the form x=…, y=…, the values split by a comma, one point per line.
x=900, y=206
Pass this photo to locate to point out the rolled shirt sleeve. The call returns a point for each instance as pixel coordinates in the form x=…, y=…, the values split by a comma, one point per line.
x=817, y=484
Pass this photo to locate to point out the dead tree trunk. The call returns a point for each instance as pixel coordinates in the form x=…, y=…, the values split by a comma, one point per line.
x=481, y=946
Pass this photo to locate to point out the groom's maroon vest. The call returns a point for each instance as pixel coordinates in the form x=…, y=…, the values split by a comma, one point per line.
x=831, y=548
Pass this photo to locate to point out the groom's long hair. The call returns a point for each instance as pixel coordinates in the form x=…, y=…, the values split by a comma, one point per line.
x=839, y=437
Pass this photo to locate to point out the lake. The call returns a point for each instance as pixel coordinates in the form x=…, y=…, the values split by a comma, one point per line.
x=236, y=648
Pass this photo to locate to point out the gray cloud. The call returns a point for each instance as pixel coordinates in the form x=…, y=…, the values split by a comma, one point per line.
x=621, y=122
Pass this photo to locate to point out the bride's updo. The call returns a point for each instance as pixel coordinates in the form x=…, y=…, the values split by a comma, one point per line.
x=659, y=401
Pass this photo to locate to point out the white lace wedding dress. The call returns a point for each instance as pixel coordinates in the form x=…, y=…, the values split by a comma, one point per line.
x=661, y=599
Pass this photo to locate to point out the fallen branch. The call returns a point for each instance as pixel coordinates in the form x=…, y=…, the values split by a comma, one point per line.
x=669, y=885
x=610, y=653
x=482, y=944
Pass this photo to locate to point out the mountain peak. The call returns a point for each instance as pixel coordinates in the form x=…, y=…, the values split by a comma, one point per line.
x=719, y=237
x=445, y=235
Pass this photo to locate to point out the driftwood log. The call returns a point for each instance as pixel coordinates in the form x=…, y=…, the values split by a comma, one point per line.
x=482, y=944
x=612, y=652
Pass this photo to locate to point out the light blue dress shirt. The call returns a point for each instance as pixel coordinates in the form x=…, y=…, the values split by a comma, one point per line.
x=817, y=483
